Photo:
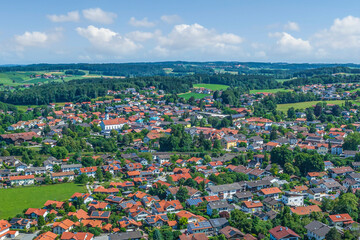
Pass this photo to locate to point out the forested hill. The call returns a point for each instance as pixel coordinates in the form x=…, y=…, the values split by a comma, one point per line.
x=184, y=68
x=85, y=89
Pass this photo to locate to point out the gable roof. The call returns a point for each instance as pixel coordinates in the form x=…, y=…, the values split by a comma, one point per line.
x=280, y=232
x=305, y=210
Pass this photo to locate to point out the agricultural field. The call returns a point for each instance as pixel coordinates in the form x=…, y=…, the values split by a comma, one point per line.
x=15, y=200
x=188, y=95
x=22, y=78
x=269, y=90
x=303, y=105
x=212, y=87
x=223, y=71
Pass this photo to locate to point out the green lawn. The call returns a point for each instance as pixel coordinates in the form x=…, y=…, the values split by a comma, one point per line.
x=212, y=87
x=270, y=90
x=354, y=90
x=195, y=95
x=303, y=105
x=15, y=200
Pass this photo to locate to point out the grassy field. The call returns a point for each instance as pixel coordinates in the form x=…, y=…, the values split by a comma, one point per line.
x=21, y=78
x=195, y=95
x=212, y=87
x=303, y=105
x=15, y=200
x=355, y=90
x=270, y=90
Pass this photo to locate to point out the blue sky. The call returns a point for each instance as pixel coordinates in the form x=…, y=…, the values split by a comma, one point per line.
x=142, y=30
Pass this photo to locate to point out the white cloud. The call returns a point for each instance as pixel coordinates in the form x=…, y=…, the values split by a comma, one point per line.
x=99, y=15
x=171, y=19
x=106, y=41
x=141, y=23
x=35, y=39
x=286, y=43
x=69, y=17
x=139, y=36
x=196, y=37
x=31, y=38
x=343, y=34
x=292, y=26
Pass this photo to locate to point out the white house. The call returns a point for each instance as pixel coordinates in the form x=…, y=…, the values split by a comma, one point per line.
x=293, y=199
x=64, y=226
x=112, y=124
x=22, y=180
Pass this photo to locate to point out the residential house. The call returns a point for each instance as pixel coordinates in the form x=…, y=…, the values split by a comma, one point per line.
x=77, y=236
x=36, y=213
x=292, y=199
x=4, y=229
x=270, y=192
x=22, y=223
x=242, y=196
x=219, y=206
x=62, y=175
x=340, y=171
x=252, y=206
x=133, y=235
x=283, y=233
x=305, y=210
x=22, y=180
x=317, y=193
x=218, y=224
x=63, y=226
x=226, y=191
x=270, y=204
x=232, y=233
x=340, y=219
x=317, y=230
x=200, y=227
x=254, y=186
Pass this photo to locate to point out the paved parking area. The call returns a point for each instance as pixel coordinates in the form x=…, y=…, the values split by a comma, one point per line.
x=102, y=237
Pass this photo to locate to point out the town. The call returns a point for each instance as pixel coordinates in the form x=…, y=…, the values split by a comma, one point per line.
x=150, y=165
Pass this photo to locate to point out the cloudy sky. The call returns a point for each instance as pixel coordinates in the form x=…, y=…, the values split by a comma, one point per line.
x=197, y=30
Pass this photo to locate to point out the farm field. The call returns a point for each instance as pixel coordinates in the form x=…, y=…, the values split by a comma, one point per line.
x=15, y=200
x=212, y=87
x=303, y=105
x=191, y=94
x=21, y=78
x=269, y=90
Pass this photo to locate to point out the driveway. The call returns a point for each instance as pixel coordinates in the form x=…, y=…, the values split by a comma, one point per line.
x=24, y=236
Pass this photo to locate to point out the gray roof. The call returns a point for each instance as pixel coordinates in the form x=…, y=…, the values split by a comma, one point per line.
x=220, y=204
x=258, y=183
x=199, y=225
x=354, y=175
x=218, y=222
x=318, y=228
x=125, y=235
x=246, y=194
x=318, y=190
x=226, y=187
x=71, y=166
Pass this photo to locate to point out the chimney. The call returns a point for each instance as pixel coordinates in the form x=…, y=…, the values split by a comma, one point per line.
x=280, y=228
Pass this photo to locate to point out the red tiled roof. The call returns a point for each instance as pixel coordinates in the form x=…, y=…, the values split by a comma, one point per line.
x=280, y=232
